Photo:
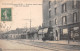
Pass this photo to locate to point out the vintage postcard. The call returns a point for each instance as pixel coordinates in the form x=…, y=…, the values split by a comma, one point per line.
x=39, y=25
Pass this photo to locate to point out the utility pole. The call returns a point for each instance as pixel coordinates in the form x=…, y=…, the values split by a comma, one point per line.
x=29, y=19
x=30, y=25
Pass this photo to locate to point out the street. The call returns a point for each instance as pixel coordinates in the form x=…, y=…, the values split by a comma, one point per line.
x=23, y=45
x=13, y=45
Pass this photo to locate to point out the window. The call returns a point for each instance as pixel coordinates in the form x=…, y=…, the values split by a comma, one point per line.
x=55, y=21
x=49, y=23
x=49, y=4
x=74, y=3
x=54, y=1
x=56, y=33
x=64, y=8
x=75, y=17
x=64, y=20
x=55, y=11
x=49, y=14
x=65, y=31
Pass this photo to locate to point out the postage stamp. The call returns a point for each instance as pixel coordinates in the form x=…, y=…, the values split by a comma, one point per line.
x=6, y=14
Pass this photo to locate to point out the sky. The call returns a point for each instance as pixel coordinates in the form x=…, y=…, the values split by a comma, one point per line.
x=21, y=11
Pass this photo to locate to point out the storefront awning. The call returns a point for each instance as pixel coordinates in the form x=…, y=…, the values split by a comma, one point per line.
x=40, y=31
x=45, y=30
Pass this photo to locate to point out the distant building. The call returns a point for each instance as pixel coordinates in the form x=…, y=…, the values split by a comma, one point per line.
x=32, y=33
x=19, y=33
x=64, y=17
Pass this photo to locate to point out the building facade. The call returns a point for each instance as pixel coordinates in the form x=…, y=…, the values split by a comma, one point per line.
x=63, y=17
x=45, y=13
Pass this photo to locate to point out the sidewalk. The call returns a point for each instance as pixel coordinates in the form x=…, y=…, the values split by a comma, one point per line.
x=65, y=42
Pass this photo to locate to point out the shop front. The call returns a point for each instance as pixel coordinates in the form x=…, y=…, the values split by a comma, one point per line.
x=56, y=33
x=70, y=32
x=75, y=34
x=42, y=32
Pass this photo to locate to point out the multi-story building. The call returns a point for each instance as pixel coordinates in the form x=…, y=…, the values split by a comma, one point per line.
x=47, y=23
x=64, y=18
x=45, y=13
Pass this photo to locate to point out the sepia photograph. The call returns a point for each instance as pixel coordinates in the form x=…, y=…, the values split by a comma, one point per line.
x=39, y=25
